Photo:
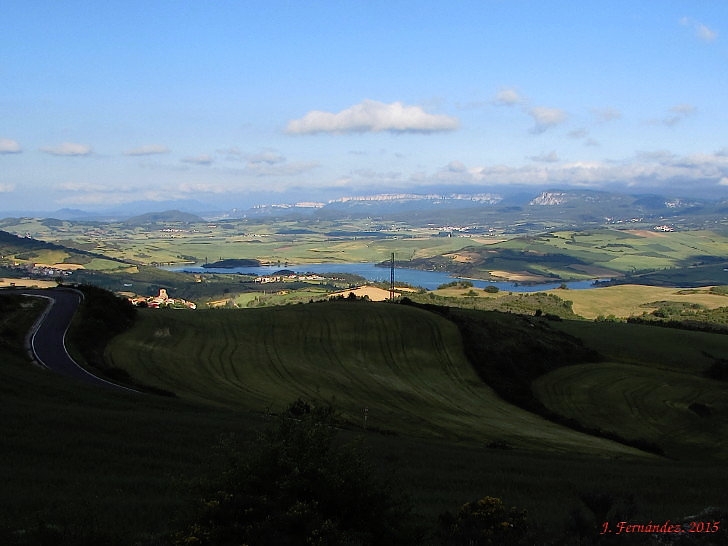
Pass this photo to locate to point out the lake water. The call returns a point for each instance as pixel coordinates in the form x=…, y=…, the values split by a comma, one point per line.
x=415, y=277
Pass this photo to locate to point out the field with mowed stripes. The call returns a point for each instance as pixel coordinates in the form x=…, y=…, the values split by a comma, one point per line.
x=405, y=365
x=680, y=411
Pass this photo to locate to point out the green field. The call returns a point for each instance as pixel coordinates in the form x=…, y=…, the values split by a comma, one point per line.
x=405, y=365
x=294, y=242
x=693, y=257
x=678, y=410
x=115, y=468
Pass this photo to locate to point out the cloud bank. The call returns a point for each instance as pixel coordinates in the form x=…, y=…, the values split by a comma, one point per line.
x=373, y=116
x=657, y=170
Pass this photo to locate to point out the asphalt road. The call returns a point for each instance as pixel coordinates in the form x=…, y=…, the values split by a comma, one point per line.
x=47, y=339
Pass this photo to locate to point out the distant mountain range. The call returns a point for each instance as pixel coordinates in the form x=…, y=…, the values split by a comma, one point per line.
x=576, y=206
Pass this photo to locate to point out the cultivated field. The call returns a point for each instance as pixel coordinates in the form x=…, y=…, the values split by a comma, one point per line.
x=404, y=365
x=623, y=301
x=678, y=410
x=697, y=256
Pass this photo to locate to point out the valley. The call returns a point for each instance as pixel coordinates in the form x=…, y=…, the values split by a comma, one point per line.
x=485, y=384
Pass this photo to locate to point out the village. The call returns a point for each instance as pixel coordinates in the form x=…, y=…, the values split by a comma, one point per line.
x=161, y=300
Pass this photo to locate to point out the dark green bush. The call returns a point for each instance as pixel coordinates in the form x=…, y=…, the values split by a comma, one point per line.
x=485, y=521
x=298, y=485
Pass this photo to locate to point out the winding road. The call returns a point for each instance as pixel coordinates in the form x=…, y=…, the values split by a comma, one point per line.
x=47, y=339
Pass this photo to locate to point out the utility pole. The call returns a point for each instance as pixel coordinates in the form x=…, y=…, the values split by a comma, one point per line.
x=391, y=278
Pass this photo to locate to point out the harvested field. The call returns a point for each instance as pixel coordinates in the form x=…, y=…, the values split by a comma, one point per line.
x=628, y=300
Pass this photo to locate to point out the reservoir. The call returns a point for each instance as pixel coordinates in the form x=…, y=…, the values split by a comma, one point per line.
x=370, y=271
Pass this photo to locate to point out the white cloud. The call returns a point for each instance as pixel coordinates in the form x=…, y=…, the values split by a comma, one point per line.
x=89, y=193
x=203, y=159
x=68, y=149
x=233, y=153
x=7, y=188
x=546, y=118
x=282, y=168
x=378, y=177
x=373, y=116
x=111, y=198
x=705, y=34
x=456, y=167
x=508, y=97
x=683, y=109
x=606, y=114
x=581, y=132
x=677, y=114
x=201, y=187
x=267, y=157
x=701, y=31
x=551, y=157
x=8, y=146
x=150, y=149
x=81, y=187
x=92, y=194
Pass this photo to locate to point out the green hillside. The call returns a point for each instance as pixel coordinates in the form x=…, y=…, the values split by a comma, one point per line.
x=15, y=250
x=100, y=467
x=677, y=258
x=653, y=384
x=405, y=365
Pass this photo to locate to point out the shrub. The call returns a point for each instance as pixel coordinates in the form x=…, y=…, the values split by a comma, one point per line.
x=297, y=485
x=485, y=521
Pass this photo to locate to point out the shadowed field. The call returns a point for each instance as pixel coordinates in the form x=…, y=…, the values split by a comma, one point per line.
x=679, y=411
x=405, y=365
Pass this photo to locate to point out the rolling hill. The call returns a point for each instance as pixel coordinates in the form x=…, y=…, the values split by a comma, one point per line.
x=407, y=366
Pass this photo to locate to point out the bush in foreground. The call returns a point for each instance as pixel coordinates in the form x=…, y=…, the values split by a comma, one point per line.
x=485, y=521
x=296, y=485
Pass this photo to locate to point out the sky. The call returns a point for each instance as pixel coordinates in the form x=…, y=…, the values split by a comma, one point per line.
x=237, y=103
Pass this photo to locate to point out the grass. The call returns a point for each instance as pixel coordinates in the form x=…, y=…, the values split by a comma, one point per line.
x=651, y=385
x=623, y=301
x=678, y=410
x=644, y=345
x=121, y=468
x=604, y=253
x=89, y=460
x=405, y=365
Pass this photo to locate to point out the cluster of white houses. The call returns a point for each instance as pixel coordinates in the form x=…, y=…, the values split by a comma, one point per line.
x=292, y=277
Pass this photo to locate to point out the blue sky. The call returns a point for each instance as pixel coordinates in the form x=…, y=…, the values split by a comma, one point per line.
x=236, y=103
